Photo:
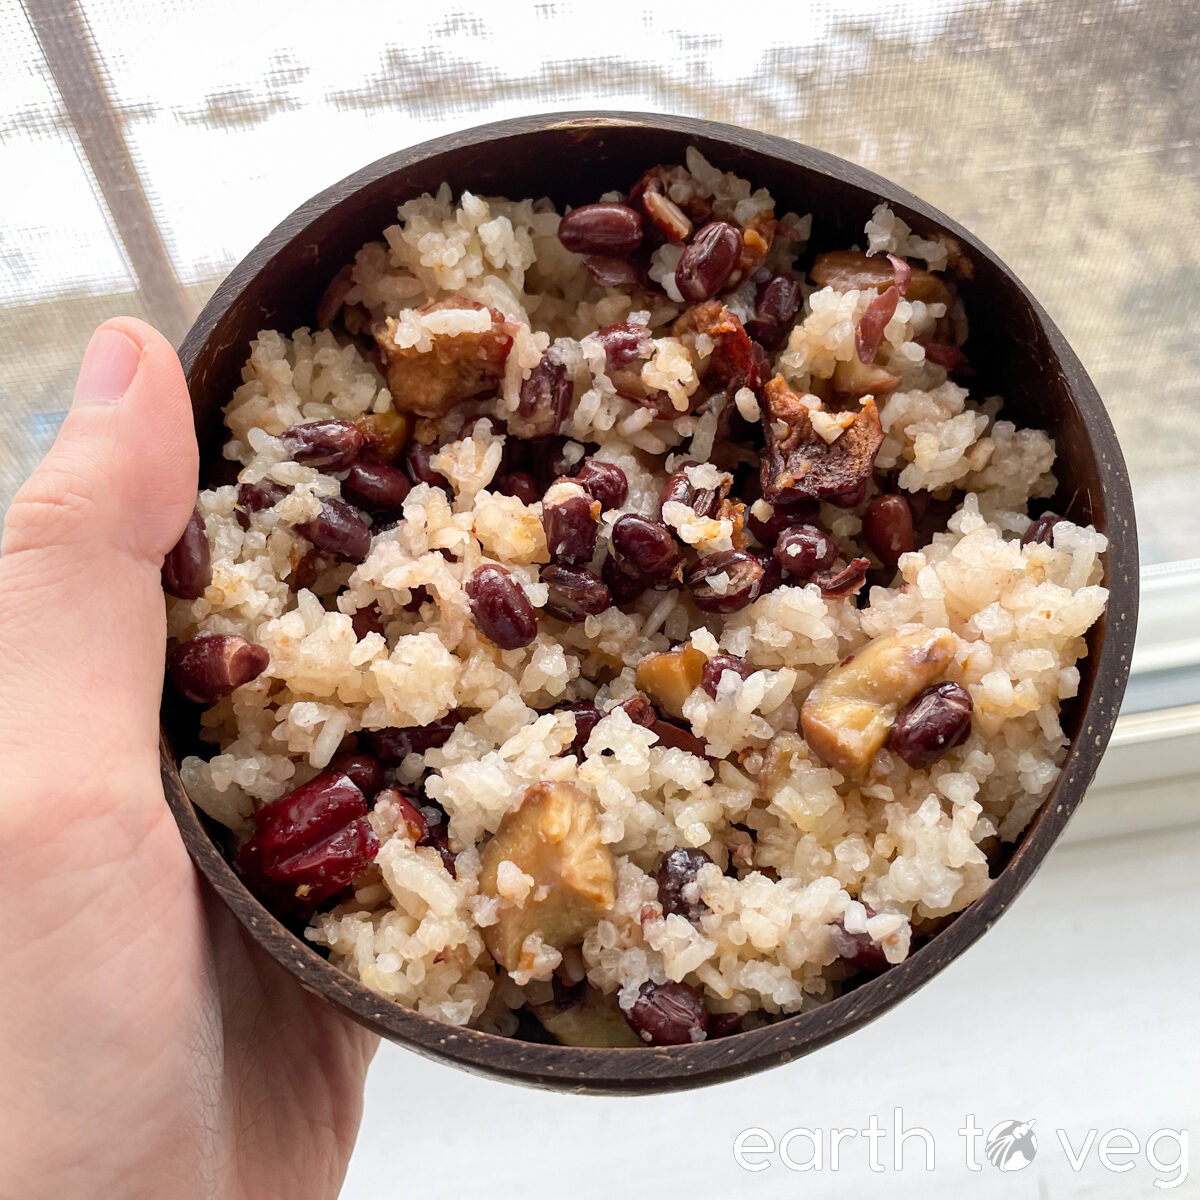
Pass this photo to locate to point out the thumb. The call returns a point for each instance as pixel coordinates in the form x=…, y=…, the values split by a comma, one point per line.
x=82, y=625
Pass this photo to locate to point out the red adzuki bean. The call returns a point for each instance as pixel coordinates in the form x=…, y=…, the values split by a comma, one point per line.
x=519, y=484
x=604, y=481
x=367, y=620
x=623, y=588
x=715, y=667
x=393, y=745
x=644, y=550
x=742, y=583
x=255, y=497
x=315, y=840
x=668, y=1014
x=570, y=517
x=545, y=396
x=623, y=343
x=376, y=487
x=707, y=263
x=575, y=593
x=859, y=951
x=608, y=229
x=326, y=445
x=931, y=723
x=364, y=771
x=587, y=717
x=330, y=865
x=612, y=272
x=187, y=569
x=416, y=462
x=782, y=517
x=410, y=814
x=1042, y=530
x=679, y=489
x=887, y=526
x=802, y=550
x=213, y=664
x=340, y=530
x=500, y=608
x=676, y=871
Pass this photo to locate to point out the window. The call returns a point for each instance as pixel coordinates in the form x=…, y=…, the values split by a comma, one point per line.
x=1062, y=134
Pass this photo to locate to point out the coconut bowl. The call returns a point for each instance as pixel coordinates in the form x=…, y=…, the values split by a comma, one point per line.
x=574, y=157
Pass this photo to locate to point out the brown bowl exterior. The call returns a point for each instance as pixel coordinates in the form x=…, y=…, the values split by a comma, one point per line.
x=574, y=157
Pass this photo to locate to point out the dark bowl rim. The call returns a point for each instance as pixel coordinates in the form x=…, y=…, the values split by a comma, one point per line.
x=626, y=1071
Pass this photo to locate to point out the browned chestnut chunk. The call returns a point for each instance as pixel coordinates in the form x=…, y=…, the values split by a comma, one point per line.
x=799, y=463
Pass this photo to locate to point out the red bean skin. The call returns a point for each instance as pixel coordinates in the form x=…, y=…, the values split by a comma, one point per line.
x=187, y=569
x=368, y=620
x=410, y=814
x=607, y=229
x=438, y=837
x=587, y=717
x=845, y=582
x=640, y=710
x=679, y=489
x=777, y=303
x=500, y=608
x=778, y=299
x=612, y=272
x=675, y=737
x=212, y=665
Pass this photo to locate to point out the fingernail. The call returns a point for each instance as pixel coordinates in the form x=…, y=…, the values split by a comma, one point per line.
x=109, y=365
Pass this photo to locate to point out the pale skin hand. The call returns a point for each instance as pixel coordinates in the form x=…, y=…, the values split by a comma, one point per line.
x=147, y=1049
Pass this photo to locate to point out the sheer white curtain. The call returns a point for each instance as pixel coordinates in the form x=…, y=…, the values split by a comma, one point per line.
x=146, y=144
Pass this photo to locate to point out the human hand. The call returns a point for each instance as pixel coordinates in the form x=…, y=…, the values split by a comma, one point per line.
x=147, y=1047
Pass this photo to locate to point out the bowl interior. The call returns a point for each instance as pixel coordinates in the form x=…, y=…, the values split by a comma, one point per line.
x=1015, y=349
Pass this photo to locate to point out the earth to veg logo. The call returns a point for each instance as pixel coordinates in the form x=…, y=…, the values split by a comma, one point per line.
x=1011, y=1145
x=1006, y=1146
